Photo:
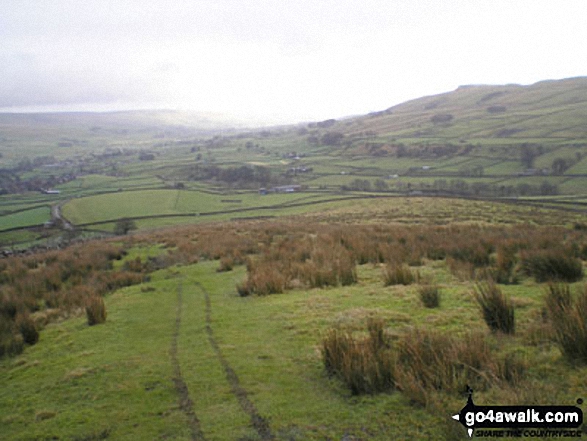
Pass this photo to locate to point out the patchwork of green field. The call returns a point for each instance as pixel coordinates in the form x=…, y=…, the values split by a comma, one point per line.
x=161, y=203
x=506, y=168
x=26, y=218
x=92, y=184
x=131, y=161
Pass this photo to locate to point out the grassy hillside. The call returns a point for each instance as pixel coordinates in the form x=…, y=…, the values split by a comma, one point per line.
x=552, y=111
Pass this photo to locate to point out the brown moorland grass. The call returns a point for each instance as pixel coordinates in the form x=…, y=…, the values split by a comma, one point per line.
x=429, y=295
x=95, y=310
x=496, y=307
x=282, y=255
x=552, y=264
x=56, y=280
x=568, y=316
x=419, y=363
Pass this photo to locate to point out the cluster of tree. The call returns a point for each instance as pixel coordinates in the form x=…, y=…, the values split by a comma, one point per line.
x=123, y=226
x=476, y=170
x=365, y=185
x=242, y=176
x=462, y=187
x=496, y=109
x=323, y=124
x=332, y=138
x=561, y=165
x=11, y=183
x=431, y=151
x=528, y=154
x=28, y=164
x=441, y=118
x=146, y=156
x=457, y=186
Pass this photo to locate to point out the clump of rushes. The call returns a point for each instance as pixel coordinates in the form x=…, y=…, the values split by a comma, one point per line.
x=364, y=364
x=569, y=321
x=398, y=274
x=243, y=289
x=95, y=310
x=26, y=325
x=226, y=264
x=428, y=361
x=264, y=280
x=498, y=311
x=419, y=364
x=430, y=296
x=558, y=300
x=552, y=265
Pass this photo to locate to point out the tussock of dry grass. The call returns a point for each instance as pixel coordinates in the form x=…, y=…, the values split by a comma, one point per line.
x=401, y=274
x=568, y=317
x=95, y=310
x=419, y=363
x=496, y=307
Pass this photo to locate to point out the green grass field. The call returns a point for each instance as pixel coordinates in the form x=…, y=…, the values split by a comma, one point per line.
x=154, y=203
x=26, y=218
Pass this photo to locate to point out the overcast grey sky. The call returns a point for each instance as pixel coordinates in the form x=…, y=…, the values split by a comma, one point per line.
x=281, y=60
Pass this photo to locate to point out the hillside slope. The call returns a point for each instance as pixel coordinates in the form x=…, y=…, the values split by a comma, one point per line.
x=549, y=110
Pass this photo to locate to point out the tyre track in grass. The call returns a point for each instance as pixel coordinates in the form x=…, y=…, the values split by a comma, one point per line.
x=259, y=423
x=185, y=402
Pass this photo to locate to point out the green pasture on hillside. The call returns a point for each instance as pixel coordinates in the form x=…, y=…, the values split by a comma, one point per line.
x=26, y=218
x=112, y=206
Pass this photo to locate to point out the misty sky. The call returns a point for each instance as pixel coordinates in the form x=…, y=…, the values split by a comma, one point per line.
x=280, y=60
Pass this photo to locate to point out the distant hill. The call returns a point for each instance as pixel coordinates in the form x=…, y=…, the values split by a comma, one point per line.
x=129, y=121
x=549, y=111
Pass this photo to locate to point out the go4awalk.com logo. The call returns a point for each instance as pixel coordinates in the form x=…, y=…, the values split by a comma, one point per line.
x=520, y=421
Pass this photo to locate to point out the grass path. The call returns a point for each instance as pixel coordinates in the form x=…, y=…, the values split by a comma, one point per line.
x=182, y=357
x=260, y=424
x=185, y=402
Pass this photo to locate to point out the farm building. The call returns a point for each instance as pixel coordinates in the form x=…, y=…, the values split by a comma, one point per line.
x=281, y=189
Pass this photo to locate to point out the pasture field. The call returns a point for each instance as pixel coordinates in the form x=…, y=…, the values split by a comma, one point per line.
x=26, y=218
x=161, y=203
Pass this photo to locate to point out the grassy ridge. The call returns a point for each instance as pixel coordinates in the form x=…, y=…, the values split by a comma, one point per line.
x=279, y=377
